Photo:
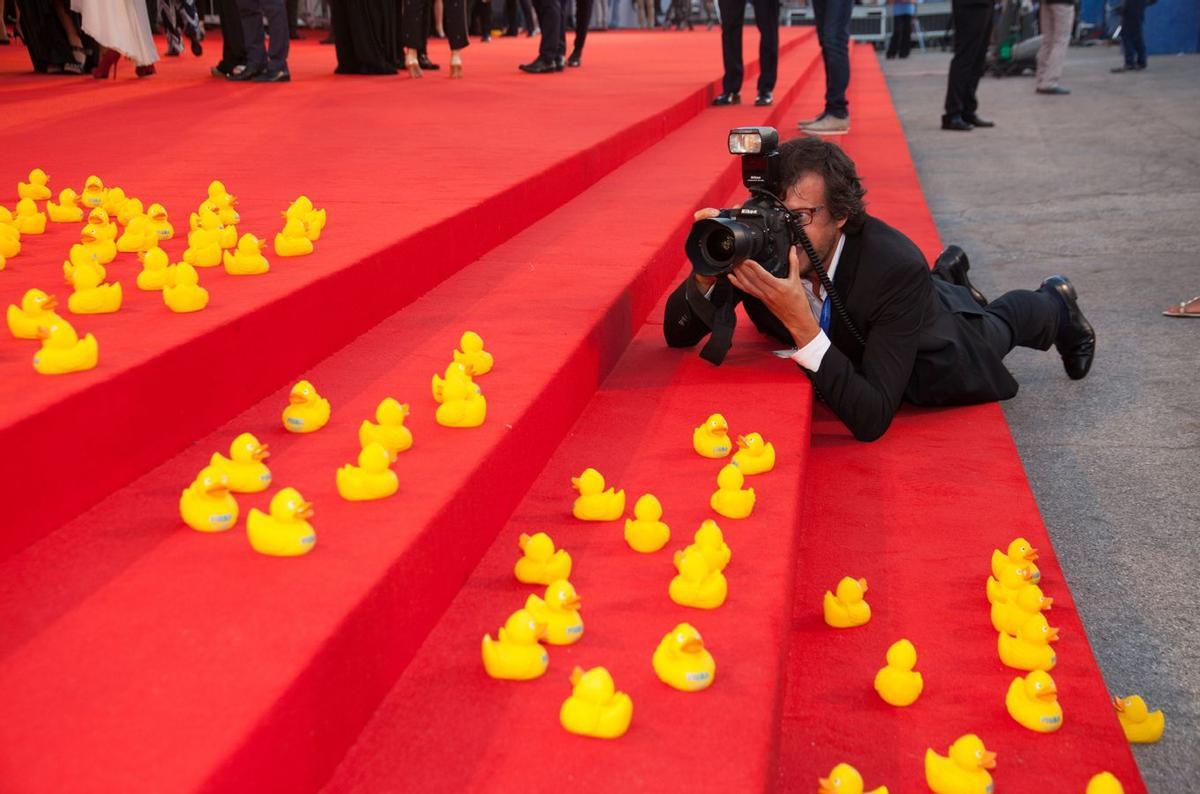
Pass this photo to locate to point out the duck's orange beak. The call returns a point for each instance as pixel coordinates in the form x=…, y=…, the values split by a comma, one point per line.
x=575, y=483
x=306, y=511
x=863, y=584
x=1046, y=603
x=1118, y=703
x=824, y=786
x=260, y=452
x=989, y=760
x=573, y=602
x=1049, y=694
x=692, y=645
x=1052, y=635
x=1031, y=555
x=50, y=305
x=217, y=489
x=297, y=399
x=741, y=442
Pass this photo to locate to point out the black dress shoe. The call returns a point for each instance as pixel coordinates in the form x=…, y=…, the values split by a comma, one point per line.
x=574, y=60
x=560, y=63
x=975, y=121
x=764, y=99
x=538, y=66
x=426, y=64
x=956, y=122
x=1076, y=340
x=732, y=98
x=952, y=266
x=244, y=73
x=277, y=76
x=1054, y=90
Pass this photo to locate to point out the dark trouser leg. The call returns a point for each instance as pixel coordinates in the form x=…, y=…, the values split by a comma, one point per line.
x=550, y=19
x=904, y=23
x=293, y=17
x=1133, y=43
x=733, y=18
x=766, y=17
x=454, y=20
x=583, y=20
x=233, y=44
x=167, y=17
x=413, y=29
x=1021, y=318
x=276, y=14
x=972, y=23
x=561, y=50
x=834, y=33
x=253, y=34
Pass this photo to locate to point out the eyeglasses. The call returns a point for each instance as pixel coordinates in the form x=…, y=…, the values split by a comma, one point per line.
x=804, y=215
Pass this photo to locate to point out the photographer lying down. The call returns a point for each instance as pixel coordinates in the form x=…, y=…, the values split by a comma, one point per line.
x=887, y=328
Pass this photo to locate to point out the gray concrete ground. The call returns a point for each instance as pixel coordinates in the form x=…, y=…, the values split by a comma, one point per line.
x=1103, y=186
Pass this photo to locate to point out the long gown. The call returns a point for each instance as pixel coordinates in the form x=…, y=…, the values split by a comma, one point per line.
x=121, y=25
x=46, y=41
x=365, y=36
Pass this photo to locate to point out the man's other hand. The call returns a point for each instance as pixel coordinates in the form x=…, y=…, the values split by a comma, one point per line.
x=785, y=297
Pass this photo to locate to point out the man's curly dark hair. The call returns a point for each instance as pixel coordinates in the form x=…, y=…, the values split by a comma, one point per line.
x=843, y=189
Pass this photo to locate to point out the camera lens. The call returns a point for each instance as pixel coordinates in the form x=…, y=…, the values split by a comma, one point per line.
x=717, y=244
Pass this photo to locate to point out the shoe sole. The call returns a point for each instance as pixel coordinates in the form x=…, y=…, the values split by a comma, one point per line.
x=823, y=132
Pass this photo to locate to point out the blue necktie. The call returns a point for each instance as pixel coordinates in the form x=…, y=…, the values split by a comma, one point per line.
x=825, y=316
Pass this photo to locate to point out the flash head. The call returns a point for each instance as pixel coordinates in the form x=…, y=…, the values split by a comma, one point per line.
x=753, y=140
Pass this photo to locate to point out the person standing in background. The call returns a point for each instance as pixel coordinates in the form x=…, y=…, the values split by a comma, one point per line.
x=550, y=18
x=263, y=66
x=902, y=19
x=733, y=19
x=644, y=11
x=233, y=44
x=525, y=8
x=1056, y=19
x=180, y=18
x=583, y=19
x=972, y=30
x=833, y=33
x=1133, y=43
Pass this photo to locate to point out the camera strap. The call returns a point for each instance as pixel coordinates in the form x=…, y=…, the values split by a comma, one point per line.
x=725, y=299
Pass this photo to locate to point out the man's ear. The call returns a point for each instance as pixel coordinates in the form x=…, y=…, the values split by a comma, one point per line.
x=842, y=221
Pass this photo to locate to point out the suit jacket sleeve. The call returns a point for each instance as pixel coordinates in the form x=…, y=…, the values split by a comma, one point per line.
x=866, y=397
x=688, y=317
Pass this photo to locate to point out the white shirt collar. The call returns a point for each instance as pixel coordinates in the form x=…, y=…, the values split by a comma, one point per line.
x=819, y=295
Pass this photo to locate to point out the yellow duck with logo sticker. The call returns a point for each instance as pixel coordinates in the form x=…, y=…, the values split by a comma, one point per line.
x=1033, y=702
x=964, y=770
x=540, y=563
x=516, y=654
x=247, y=260
x=244, y=467
x=1030, y=648
x=306, y=411
x=183, y=293
x=207, y=505
x=106, y=229
x=35, y=189
x=285, y=531
x=1020, y=555
x=160, y=224
x=292, y=241
x=1009, y=615
x=711, y=439
x=697, y=585
x=67, y=210
x=91, y=296
x=710, y=542
x=93, y=192
x=36, y=311
x=646, y=532
x=138, y=236
x=897, y=683
x=594, y=503
x=462, y=405
x=731, y=499
x=847, y=608
x=63, y=351
x=472, y=355
x=153, y=276
x=28, y=220
x=681, y=660
x=93, y=240
x=1140, y=724
x=845, y=779
x=595, y=707
x=557, y=615
x=388, y=428
x=370, y=479
x=754, y=456
x=1006, y=589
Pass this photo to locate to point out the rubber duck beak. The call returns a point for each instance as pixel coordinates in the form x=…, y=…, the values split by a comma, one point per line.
x=217, y=489
x=1049, y=694
x=1052, y=635
x=576, y=674
x=306, y=511
x=741, y=442
x=261, y=453
x=296, y=399
x=824, y=786
x=863, y=584
x=1118, y=704
x=989, y=760
x=575, y=483
x=573, y=603
x=50, y=305
x=692, y=646
x=1046, y=603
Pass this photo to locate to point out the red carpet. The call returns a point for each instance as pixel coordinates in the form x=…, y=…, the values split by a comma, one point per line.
x=376, y=152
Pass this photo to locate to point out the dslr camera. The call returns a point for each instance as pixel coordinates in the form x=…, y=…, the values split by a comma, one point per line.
x=761, y=229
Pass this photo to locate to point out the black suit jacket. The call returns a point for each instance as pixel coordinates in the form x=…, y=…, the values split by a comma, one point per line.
x=923, y=340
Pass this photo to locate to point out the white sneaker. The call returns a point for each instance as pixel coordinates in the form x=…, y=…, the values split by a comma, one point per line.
x=828, y=125
x=802, y=123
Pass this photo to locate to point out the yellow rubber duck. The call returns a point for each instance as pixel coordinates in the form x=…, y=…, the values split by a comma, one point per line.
x=390, y=430
x=224, y=202
x=227, y=235
x=515, y=654
x=965, y=771
x=1140, y=724
x=130, y=210
x=35, y=189
x=244, y=467
x=594, y=503
x=754, y=456
x=1030, y=649
x=81, y=256
x=847, y=609
x=138, y=236
x=247, y=260
x=1104, y=783
x=306, y=411
x=1009, y=616
x=646, y=532
x=1006, y=589
x=595, y=708
x=313, y=219
x=93, y=240
x=897, y=683
x=93, y=192
x=67, y=210
x=697, y=585
x=160, y=225
x=557, y=615
x=462, y=405
x=540, y=563
x=105, y=228
x=207, y=505
x=285, y=532
x=63, y=351
x=204, y=249
x=1020, y=555
x=90, y=295
x=10, y=238
x=183, y=293
x=845, y=779
x=711, y=439
x=370, y=479
x=730, y=499
x=681, y=660
x=710, y=541
x=1033, y=702
x=454, y=371
x=114, y=201
x=292, y=240
x=472, y=355
x=36, y=311
x=27, y=219
x=153, y=276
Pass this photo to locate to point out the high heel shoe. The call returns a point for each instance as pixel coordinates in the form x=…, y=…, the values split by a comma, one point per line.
x=456, y=68
x=145, y=71
x=108, y=63
x=413, y=67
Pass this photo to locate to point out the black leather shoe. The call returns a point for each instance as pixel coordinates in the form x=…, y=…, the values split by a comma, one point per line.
x=1054, y=90
x=1076, y=340
x=764, y=99
x=575, y=60
x=560, y=63
x=280, y=76
x=956, y=122
x=426, y=64
x=244, y=73
x=732, y=98
x=538, y=67
x=975, y=121
x=952, y=266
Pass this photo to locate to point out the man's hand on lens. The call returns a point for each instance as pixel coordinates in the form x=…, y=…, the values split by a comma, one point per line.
x=785, y=297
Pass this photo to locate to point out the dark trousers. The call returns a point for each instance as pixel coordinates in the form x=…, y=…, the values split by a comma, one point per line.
x=733, y=19
x=414, y=23
x=510, y=10
x=833, y=32
x=1133, y=43
x=293, y=16
x=583, y=18
x=481, y=13
x=1021, y=318
x=257, y=55
x=233, y=44
x=550, y=18
x=972, y=30
x=901, y=41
